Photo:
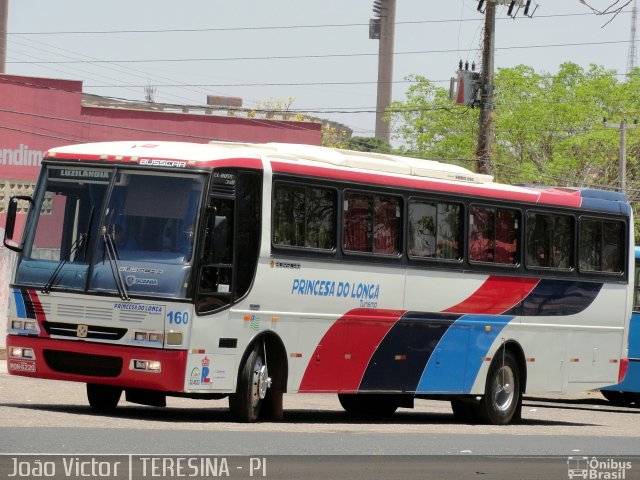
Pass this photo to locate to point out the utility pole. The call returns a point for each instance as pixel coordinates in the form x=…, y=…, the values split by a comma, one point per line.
x=4, y=21
x=383, y=29
x=622, y=157
x=484, y=150
x=632, y=57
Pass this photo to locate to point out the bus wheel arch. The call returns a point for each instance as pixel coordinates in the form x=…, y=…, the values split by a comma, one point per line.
x=262, y=380
x=504, y=387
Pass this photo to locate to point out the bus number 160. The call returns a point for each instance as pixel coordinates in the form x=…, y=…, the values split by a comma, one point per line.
x=178, y=318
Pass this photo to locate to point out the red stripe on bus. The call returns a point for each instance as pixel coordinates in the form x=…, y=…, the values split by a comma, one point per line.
x=494, y=191
x=38, y=310
x=496, y=295
x=341, y=358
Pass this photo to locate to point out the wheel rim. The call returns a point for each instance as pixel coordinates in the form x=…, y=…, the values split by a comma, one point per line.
x=260, y=382
x=503, y=391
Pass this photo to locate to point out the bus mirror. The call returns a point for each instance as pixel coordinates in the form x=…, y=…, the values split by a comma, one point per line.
x=10, y=225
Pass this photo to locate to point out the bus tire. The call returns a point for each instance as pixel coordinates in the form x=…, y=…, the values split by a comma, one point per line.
x=369, y=404
x=502, y=391
x=251, y=390
x=620, y=399
x=103, y=397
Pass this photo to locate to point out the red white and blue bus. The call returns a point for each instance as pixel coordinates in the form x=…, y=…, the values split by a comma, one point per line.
x=247, y=271
x=627, y=392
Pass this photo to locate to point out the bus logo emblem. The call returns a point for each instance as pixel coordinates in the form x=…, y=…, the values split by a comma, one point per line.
x=82, y=331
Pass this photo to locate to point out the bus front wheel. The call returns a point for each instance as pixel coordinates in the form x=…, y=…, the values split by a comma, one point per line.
x=502, y=397
x=103, y=397
x=251, y=390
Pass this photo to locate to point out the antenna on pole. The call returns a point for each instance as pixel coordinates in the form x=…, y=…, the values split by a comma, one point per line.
x=632, y=59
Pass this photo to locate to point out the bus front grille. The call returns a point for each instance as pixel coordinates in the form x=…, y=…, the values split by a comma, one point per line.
x=92, y=331
x=83, y=364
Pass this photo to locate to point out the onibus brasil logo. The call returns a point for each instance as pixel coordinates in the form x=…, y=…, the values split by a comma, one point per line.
x=597, y=469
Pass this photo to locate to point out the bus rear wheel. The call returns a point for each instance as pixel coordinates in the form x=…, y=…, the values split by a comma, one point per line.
x=369, y=404
x=502, y=396
x=251, y=390
x=103, y=397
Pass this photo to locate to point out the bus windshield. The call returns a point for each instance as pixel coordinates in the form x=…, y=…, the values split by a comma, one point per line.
x=112, y=231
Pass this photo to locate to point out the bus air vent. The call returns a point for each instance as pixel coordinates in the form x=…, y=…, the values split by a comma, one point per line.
x=83, y=364
x=93, y=331
x=223, y=190
x=228, y=343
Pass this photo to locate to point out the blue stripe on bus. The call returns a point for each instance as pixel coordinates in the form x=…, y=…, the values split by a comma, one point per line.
x=19, y=301
x=607, y=206
x=399, y=360
x=557, y=298
x=457, y=359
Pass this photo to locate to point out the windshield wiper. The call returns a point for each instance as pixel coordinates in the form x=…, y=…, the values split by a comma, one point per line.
x=75, y=247
x=81, y=242
x=112, y=253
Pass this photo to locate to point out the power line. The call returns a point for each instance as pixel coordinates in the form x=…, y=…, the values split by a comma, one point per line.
x=319, y=56
x=277, y=27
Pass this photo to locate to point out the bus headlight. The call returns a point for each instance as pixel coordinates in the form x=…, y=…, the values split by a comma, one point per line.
x=174, y=338
x=20, y=352
x=30, y=326
x=152, y=366
x=141, y=336
x=155, y=337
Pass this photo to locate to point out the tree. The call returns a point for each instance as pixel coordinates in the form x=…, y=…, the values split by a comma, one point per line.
x=367, y=144
x=430, y=125
x=549, y=128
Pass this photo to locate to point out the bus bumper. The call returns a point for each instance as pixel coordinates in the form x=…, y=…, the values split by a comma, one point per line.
x=88, y=362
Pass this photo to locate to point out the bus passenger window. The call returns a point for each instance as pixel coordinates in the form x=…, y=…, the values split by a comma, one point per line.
x=372, y=223
x=493, y=235
x=549, y=240
x=601, y=246
x=304, y=217
x=434, y=230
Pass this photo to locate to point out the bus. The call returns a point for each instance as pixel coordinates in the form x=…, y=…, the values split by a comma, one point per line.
x=244, y=271
x=627, y=392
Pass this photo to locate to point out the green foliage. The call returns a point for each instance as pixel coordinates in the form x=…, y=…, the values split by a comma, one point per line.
x=549, y=127
x=367, y=144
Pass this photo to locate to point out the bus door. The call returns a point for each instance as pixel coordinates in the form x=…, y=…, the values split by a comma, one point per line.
x=229, y=254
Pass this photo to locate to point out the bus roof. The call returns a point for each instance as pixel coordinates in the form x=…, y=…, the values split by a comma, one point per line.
x=333, y=163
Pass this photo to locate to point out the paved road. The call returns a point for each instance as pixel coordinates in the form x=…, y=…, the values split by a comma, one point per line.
x=53, y=417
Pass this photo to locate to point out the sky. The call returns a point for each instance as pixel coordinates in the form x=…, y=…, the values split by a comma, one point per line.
x=244, y=48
